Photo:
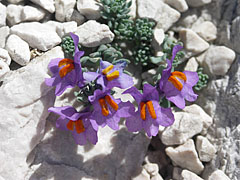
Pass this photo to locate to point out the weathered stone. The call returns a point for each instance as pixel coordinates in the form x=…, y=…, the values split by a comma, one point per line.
x=4, y=56
x=180, y=5
x=192, y=42
x=46, y=4
x=197, y=3
x=192, y=65
x=185, y=126
x=219, y=175
x=89, y=8
x=198, y=111
x=37, y=35
x=74, y=15
x=4, y=32
x=186, y=156
x=3, y=15
x=158, y=37
x=142, y=176
x=205, y=149
x=188, y=175
x=14, y=14
x=4, y=68
x=15, y=1
x=62, y=8
x=207, y=30
x=66, y=28
x=92, y=34
x=30, y=13
x=164, y=15
x=133, y=9
x=18, y=49
x=218, y=59
x=26, y=104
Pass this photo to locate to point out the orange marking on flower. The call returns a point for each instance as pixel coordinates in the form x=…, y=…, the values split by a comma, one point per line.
x=104, y=107
x=70, y=125
x=112, y=76
x=65, y=61
x=79, y=126
x=111, y=102
x=151, y=109
x=107, y=69
x=175, y=82
x=179, y=74
x=143, y=110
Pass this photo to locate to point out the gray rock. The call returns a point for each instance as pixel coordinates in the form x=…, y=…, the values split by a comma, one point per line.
x=74, y=15
x=197, y=3
x=66, y=28
x=158, y=37
x=46, y=4
x=30, y=13
x=205, y=149
x=4, y=32
x=93, y=34
x=4, y=56
x=218, y=59
x=3, y=15
x=14, y=14
x=188, y=175
x=207, y=30
x=4, y=68
x=18, y=49
x=164, y=15
x=89, y=8
x=186, y=125
x=37, y=35
x=63, y=8
x=15, y=1
x=186, y=156
x=142, y=176
x=180, y=5
x=219, y=175
x=26, y=104
x=192, y=65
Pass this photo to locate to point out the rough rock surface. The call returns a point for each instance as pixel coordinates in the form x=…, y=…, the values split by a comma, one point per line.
x=4, y=68
x=219, y=175
x=23, y=126
x=207, y=30
x=30, y=13
x=18, y=49
x=3, y=15
x=37, y=35
x=46, y=4
x=192, y=65
x=63, y=8
x=197, y=3
x=158, y=37
x=92, y=34
x=205, y=149
x=180, y=5
x=186, y=156
x=4, y=32
x=188, y=175
x=14, y=14
x=4, y=56
x=186, y=125
x=218, y=59
x=89, y=8
x=164, y=15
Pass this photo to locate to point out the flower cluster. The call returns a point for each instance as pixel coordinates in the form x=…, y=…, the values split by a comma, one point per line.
x=103, y=110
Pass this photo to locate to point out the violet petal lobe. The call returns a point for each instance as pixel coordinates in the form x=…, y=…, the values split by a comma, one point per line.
x=134, y=122
x=133, y=91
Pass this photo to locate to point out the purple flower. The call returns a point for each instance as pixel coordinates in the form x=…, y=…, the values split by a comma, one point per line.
x=82, y=127
x=177, y=86
x=110, y=76
x=149, y=114
x=107, y=110
x=67, y=73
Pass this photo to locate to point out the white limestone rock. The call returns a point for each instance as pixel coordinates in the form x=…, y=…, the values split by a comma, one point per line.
x=14, y=14
x=152, y=169
x=198, y=111
x=207, y=30
x=186, y=125
x=192, y=42
x=176, y=175
x=37, y=35
x=163, y=14
x=46, y=4
x=4, y=68
x=18, y=49
x=26, y=99
x=158, y=37
x=92, y=34
x=66, y=28
x=180, y=5
x=188, y=175
x=15, y=1
x=192, y=65
x=142, y=176
x=89, y=8
x=3, y=15
x=4, y=32
x=30, y=13
x=186, y=156
x=198, y=3
x=62, y=8
x=218, y=59
x=219, y=175
x=4, y=56
x=206, y=150
x=74, y=15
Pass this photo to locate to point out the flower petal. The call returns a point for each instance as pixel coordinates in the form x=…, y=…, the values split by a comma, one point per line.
x=61, y=123
x=188, y=93
x=90, y=76
x=166, y=117
x=65, y=111
x=112, y=122
x=134, y=122
x=135, y=94
x=125, y=109
x=53, y=65
x=175, y=51
x=91, y=135
x=80, y=138
x=192, y=78
x=178, y=100
x=75, y=40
